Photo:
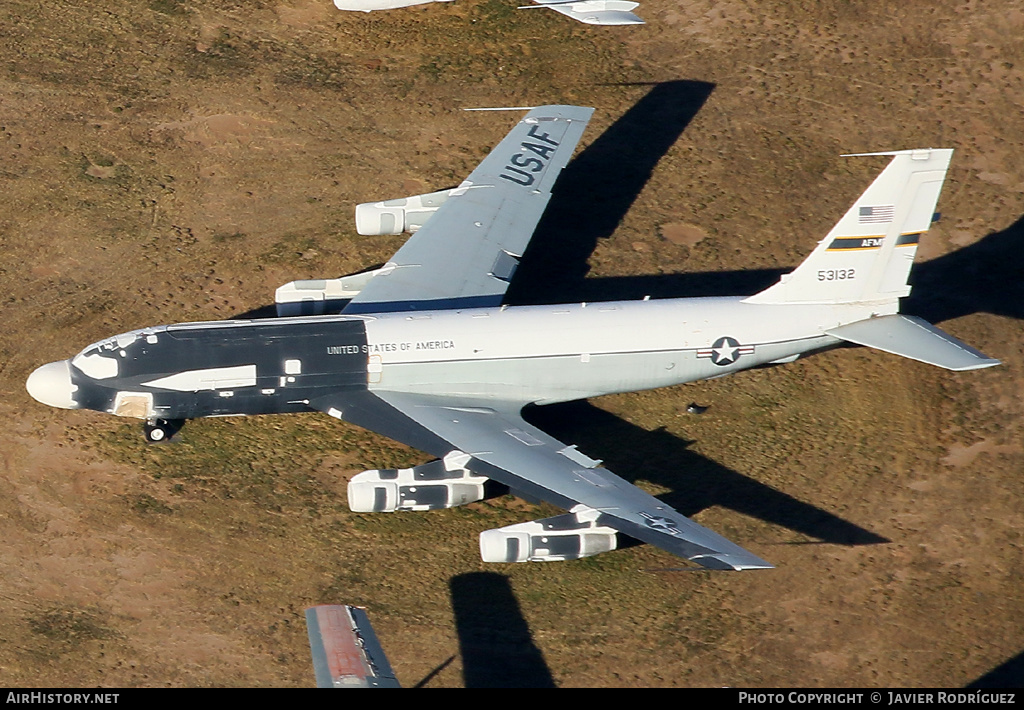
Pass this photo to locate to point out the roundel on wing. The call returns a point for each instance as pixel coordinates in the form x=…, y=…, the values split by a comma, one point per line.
x=661, y=523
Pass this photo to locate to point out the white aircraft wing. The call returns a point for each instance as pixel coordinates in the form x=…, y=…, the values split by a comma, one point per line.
x=504, y=447
x=595, y=12
x=466, y=253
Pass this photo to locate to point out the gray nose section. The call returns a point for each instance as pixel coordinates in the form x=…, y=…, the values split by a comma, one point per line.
x=51, y=384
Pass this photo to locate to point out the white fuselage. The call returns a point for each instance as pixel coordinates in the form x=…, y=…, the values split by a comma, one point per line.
x=547, y=354
x=507, y=355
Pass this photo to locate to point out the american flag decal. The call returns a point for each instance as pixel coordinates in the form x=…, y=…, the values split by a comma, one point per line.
x=878, y=214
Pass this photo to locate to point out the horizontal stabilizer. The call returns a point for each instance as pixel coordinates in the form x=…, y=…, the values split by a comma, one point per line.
x=913, y=338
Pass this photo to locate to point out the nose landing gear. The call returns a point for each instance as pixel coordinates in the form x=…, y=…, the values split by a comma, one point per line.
x=157, y=430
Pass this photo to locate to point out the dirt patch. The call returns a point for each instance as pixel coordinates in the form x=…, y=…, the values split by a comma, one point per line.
x=960, y=455
x=689, y=235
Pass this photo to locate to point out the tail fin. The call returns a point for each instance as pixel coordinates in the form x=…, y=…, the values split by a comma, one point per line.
x=868, y=254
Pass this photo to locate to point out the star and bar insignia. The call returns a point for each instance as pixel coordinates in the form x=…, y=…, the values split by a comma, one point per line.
x=725, y=351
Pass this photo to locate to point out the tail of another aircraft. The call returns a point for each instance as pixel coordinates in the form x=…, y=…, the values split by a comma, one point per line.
x=867, y=256
x=866, y=259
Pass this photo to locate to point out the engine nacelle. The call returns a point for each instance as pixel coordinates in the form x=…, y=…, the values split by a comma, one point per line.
x=434, y=485
x=396, y=216
x=315, y=297
x=570, y=536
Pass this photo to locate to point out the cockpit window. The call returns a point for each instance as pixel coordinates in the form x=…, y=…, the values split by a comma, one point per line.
x=96, y=366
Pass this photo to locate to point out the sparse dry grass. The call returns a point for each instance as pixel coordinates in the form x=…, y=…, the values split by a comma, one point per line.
x=170, y=161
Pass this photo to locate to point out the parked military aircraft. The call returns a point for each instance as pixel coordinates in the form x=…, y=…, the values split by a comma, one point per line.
x=590, y=12
x=424, y=351
x=346, y=652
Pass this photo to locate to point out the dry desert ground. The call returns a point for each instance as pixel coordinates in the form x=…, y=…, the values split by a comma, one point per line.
x=174, y=160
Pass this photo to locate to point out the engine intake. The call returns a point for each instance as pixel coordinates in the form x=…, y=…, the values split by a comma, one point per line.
x=396, y=216
x=432, y=486
x=570, y=536
x=315, y=297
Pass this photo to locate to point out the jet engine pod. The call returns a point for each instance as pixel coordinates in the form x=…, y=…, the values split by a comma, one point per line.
x=427, y=487
x=396, y=216
x=314, y=297
x=563, y=537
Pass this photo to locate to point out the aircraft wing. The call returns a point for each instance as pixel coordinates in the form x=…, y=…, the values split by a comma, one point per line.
x=596, y=12
x=346, y=652
x=501, y=445
x=466, y=253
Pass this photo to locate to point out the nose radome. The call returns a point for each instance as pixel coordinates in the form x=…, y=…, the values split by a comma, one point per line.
x=51, y=384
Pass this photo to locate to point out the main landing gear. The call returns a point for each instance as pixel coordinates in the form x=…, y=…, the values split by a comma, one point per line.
x=157, y=430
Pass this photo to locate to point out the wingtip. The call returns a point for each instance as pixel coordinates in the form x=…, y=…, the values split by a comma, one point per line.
x=920, y=153
x=731, y=563
x=980, y=365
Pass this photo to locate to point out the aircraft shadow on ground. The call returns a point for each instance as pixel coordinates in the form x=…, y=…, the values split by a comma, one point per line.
x=694, y=482
x=1007, y=675
x=495, y=643
x=592, y=195
x=597, y=189
x=600, y=185
x=984, y=277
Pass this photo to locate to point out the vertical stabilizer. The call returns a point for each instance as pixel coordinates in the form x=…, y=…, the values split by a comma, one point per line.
x=867, y=256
